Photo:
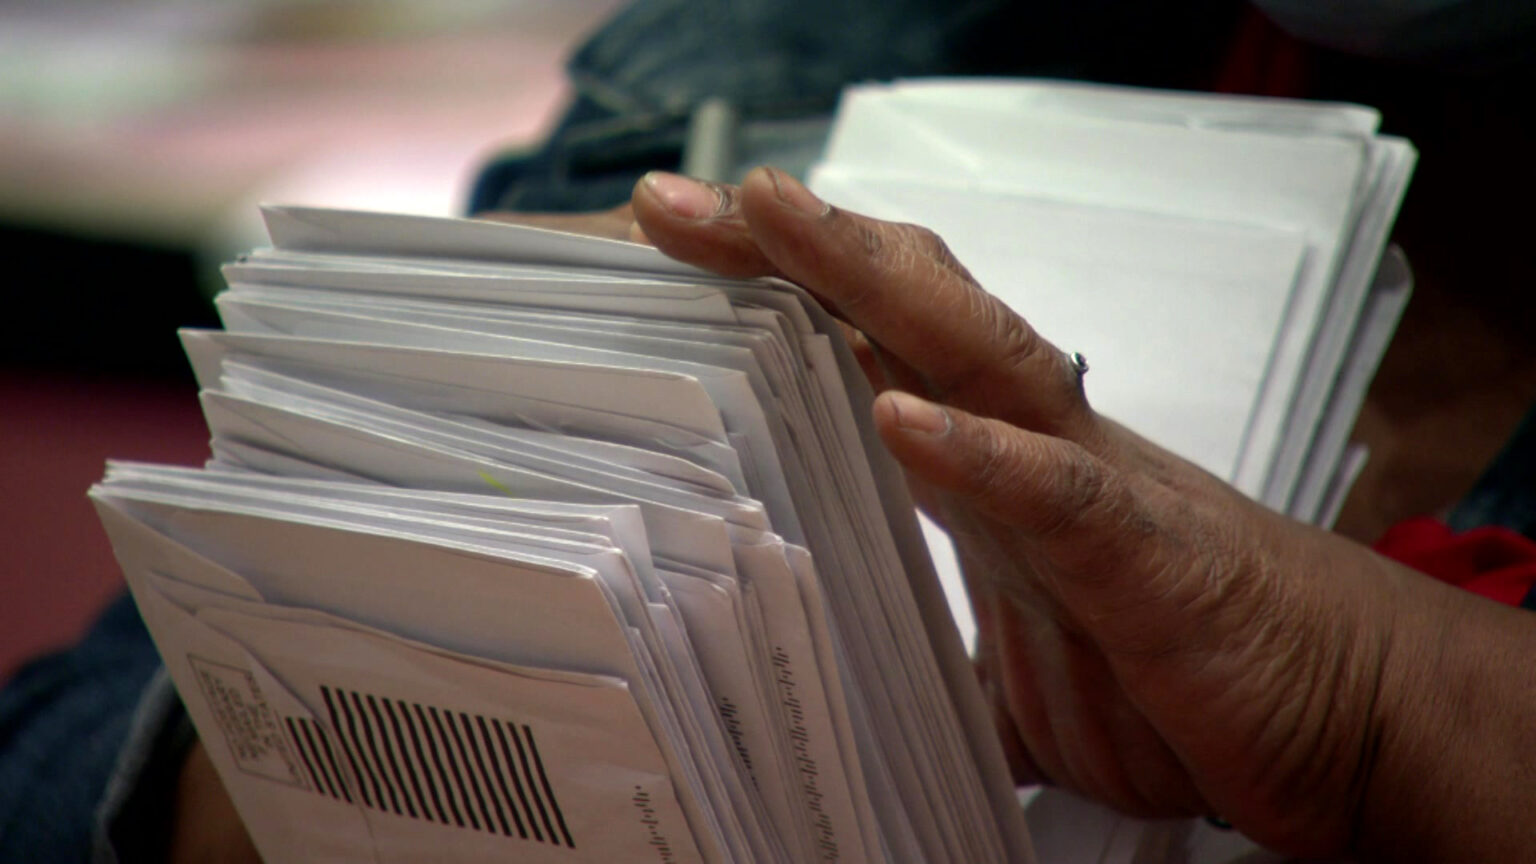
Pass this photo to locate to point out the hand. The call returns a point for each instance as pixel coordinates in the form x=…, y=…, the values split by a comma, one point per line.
x=1148, y=636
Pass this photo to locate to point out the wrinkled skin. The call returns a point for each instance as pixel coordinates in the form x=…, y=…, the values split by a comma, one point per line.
x=1148, y=636
x=1112, y=629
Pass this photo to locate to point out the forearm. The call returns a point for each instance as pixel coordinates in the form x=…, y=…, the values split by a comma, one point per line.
x=1452, y=775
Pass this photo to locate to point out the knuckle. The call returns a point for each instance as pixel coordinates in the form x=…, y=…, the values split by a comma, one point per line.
x=1082, y=489
x=893, y=251
x=995, y=460
x=922, y=238
x=1073, y=497
x=901, y=245
x=867, y=241
x=1013, y=351
x=1054, y=491
x=871, y=238
x=925, y=243
x=940, y=252
x=1019, y=346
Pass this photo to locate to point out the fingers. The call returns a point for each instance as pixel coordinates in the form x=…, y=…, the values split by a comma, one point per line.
x=1021, y=765
x=1055, y=493
x=898, y=284
x=1131, y=563
x=1012, y=687
x=699, y=223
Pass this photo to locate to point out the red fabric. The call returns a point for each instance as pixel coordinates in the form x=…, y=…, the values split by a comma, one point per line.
x=1494, y=562
x=57, y=430
x=1263, y=60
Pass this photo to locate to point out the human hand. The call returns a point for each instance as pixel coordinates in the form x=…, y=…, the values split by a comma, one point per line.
x=1148, y=636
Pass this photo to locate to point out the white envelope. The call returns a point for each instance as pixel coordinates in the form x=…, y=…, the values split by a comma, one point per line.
x=269, y=692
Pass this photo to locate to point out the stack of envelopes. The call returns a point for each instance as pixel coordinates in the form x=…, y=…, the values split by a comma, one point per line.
x=522, y=544
x=1218, y=259
x=518, y=545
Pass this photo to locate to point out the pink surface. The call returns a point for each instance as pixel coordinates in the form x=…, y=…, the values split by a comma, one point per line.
x=362, y=107
x=196, y=123
x=56, y=431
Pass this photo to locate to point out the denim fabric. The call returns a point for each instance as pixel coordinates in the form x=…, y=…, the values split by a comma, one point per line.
x=63, y=721
x=641, y=76
x=1506, y=493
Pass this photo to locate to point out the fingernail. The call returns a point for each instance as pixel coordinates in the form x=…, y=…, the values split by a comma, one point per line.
x=686, y=198
x=794, y=193
x=919, y=415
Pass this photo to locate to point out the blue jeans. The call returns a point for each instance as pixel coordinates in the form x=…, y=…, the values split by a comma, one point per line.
x=63, y=722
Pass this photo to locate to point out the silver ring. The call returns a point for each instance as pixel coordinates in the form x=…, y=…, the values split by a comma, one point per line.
x=1079, y=363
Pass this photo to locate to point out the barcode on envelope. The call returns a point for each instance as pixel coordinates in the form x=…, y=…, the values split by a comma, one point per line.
x=424, y=762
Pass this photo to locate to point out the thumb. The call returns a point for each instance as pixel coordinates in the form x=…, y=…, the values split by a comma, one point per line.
x=1054, y=491
x=1063, y=514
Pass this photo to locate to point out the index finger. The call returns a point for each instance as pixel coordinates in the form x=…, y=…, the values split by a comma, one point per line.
x=900, y=285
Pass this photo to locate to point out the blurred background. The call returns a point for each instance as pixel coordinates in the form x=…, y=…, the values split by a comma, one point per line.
x=138, y=136
x=136, y=140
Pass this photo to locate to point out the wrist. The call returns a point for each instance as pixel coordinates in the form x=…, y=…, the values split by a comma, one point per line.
x=1447, y=772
